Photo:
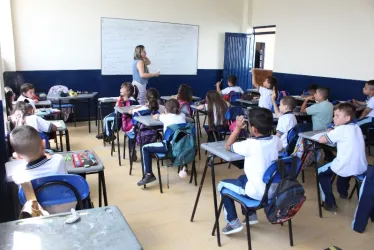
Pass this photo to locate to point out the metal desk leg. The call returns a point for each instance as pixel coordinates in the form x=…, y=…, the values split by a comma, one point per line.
x=118, y=146
x=89, y=116
x=198, y=132
x=102, y=177
x=96, y=115
x=60, y=135
x=67, y=140
x=211, y=163
x=200, y=189
x=100, y=196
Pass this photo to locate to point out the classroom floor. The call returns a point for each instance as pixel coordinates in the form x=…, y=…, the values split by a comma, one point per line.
x=162, y=221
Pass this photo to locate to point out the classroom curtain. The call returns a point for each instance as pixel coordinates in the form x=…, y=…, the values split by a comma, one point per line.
x=238, y=59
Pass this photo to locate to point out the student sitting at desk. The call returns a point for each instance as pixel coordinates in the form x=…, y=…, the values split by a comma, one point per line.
x=350, y=159
x=287, y=119
x=184, y=98
x=172, y=116
x=266, y=92
x=30, y=148
x=231, y=81
x=311, y=90
x=216, y=108
x=152, y=104
x=259, y=152
x=126, y=98
x=322, y=111
x=366, y=118
x=27, y=93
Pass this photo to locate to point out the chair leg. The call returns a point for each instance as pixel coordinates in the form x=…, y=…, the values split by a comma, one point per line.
x=74, y=117
x=358, y=189
x=124, y=146
x=353, y=191
x=159, y=175
x=248, y=231
x=290, y=232
x=131, y=155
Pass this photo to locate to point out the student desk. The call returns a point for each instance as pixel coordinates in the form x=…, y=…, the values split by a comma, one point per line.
x=98, y=228
x=97, y=169
x=255, y=91
x=168, y=97
x=215, y=149
x=43, y=112
x=12, y=166
x=247, y=103
x=81, y=97
x=300, y=117
x=62, y=130
x=43, y=104
x=104, y=102
x=314, y=146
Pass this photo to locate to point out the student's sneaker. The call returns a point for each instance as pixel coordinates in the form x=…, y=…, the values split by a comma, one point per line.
x=331, y=208
x=148, y=178
x=100, y=136
x=252, y=220
x=233, y=227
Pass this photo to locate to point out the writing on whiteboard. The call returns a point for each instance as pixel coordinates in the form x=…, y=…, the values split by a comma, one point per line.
x=172, y=48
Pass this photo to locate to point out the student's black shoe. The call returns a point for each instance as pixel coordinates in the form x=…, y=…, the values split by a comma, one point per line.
x=100, y=136
x=331, y=208
x=110, y=138
x=343, y=196
x=148, y=178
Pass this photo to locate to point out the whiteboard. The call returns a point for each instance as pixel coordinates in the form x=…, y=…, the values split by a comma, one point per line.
x=172, y=48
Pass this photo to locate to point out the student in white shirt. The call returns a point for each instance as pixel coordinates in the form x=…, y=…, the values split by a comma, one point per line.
x=367, y=116
x=259, y=152
x=231, y=81
x=27, y=94
x=172, y=116
x=30, y=150
x=287, y=119
x=266, y=91
x=350, y=159
x=216, y=108
x=24, y=115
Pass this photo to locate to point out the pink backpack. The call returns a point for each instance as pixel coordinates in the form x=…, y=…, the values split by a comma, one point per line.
x=127, y=120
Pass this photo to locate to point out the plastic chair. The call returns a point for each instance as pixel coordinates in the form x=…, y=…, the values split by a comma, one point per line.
x=359, y=179
x=162, y=157
x=59, y=189
x=271, y=176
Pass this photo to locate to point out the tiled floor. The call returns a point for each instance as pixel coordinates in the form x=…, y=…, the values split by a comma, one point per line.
x=162, y=221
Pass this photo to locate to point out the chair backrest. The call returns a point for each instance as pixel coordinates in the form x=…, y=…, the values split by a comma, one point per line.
x=46, y=139
x=279, y=169
x=234, y=96
x=234, y=111
x=58, y=189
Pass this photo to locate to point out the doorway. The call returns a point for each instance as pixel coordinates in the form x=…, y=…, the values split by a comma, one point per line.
x=264, y=46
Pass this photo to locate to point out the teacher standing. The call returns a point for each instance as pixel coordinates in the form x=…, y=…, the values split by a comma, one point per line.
x=140, y=72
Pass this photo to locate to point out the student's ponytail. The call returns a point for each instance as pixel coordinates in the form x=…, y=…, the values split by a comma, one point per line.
x=153, y=105
x=172, y=107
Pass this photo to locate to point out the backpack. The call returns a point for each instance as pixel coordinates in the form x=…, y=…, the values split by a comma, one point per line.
x=306, y=155
x=146, y=135
x=288, y=197
x=180, y=142
x=127, y=123
x=293, y=135
x=230, y=117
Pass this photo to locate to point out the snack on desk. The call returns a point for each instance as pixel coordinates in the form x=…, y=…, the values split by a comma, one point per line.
x=83, y=159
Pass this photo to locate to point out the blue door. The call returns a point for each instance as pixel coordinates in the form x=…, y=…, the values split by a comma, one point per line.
x=238, y=58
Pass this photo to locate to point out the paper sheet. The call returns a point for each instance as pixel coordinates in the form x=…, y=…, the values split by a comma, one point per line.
x=57, y=123
x=317, y=136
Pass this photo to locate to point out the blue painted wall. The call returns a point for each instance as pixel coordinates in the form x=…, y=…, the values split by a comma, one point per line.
x=340, y=89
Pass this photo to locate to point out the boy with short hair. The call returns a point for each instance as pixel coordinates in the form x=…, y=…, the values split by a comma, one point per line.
x=30, y=148
x=311, y=90
x=231, y=81
x=366, y=117
x=322, y=111
x=259, y=153
x=350, y=159
x=287, y=119
x=27, y=94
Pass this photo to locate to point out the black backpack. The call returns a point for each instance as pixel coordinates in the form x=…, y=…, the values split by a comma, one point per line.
x=288, y=197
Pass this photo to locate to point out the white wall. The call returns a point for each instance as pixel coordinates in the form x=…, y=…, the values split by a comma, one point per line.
x=58, y=35
x=331, y=38
x=269, y=41
x=6, y=37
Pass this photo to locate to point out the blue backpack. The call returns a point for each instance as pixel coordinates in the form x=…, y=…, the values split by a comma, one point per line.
x=180, y=142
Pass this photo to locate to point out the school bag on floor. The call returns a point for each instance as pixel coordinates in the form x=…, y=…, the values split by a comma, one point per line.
x=180, y=142
x=288, y=197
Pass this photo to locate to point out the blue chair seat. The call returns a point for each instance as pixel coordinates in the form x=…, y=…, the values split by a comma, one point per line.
x=360, y=177
x=160, y=155
x=65, y=105
x=249, y=203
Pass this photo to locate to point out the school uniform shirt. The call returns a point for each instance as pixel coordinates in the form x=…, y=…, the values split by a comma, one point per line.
x=265, y=98
x=370, y=104
x=285, y=122
x=39, y=168
x=258, y=153
x=236, y=89
x=22, y=98
x=351, y=158
x=38, y=123
x=171, y=119
x=321, y=113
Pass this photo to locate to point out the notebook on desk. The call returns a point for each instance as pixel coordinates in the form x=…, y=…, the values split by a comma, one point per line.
x=57, y=124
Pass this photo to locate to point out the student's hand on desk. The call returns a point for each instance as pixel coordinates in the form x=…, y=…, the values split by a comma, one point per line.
x=156, y=117
x=240, y=123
